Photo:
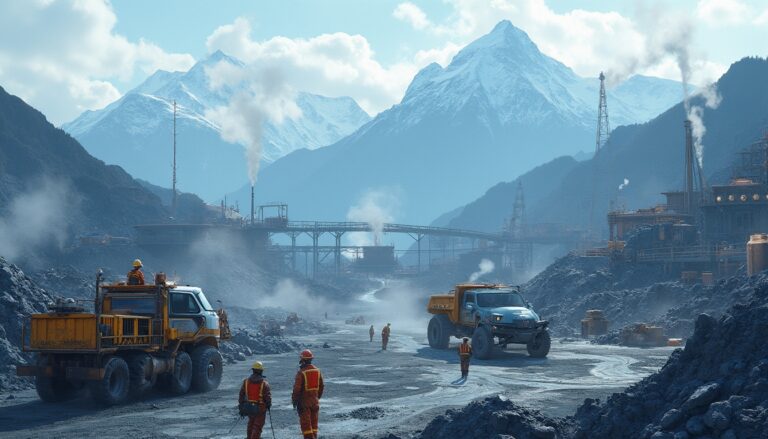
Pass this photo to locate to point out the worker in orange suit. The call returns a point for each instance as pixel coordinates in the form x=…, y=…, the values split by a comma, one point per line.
x=307, y=391
x=255, y=390
x=370, y=333
x=465, y=353
x=385, y=336
x=135, y=276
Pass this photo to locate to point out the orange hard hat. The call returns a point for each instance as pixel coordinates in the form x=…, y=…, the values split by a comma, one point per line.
x=306, y=354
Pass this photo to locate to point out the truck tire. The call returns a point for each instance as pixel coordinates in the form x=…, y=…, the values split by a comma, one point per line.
x=539, y=346
x=53, y=389
x=482, y=343
x=141, y=377
x=180, y=379
x=439, y=332
x=113, y=388
x=207, y=368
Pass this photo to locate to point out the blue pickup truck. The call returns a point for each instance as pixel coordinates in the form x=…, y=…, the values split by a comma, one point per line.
x=491, y=314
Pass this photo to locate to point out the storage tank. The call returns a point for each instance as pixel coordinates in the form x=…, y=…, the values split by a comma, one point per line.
x=757, y=253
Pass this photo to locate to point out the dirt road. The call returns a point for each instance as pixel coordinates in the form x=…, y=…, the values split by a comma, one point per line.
x=368, y=392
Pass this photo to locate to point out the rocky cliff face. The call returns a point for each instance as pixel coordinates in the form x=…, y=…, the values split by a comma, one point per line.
x=19, y=297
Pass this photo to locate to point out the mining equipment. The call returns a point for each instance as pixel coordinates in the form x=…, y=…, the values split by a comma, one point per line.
x=594, y=323
x=487, y=312
x=136, y=337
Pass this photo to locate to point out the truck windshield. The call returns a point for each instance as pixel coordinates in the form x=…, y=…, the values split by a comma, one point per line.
x=203, y=301
x=496, y=300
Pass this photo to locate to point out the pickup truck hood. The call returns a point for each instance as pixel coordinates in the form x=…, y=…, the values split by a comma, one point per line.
x=510, y=313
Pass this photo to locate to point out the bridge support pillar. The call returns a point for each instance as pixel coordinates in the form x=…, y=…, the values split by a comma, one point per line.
x=337, y=252
x=418, y=237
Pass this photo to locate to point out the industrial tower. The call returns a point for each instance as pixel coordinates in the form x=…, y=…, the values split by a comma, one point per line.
x=518, y=252
x=173, y=202
x=603, y=131
x=518, y=212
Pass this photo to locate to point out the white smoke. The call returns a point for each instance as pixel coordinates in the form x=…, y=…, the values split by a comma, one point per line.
x=261, y=95
x=291, y=296
x=36, y=219
x=670, y=36
x=486, y=266
x=624, y=184
x=375, y=207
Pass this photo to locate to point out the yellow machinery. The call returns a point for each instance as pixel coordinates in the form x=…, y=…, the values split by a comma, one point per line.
x=137, y=336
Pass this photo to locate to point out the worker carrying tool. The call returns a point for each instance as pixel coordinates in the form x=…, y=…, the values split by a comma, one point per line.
x=370, y=332
x=255, y=400
x=135, y=276
x=307, y=391
x=465, y=353
x=385, y=336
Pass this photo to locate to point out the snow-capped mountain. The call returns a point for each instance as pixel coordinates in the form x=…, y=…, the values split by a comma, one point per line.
x=500, y=108
x=135, y=131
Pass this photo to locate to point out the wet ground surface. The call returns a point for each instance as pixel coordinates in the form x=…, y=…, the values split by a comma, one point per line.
x=368, y=391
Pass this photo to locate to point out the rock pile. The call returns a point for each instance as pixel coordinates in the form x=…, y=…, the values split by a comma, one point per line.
x=244, y=344
x=66, y=281
x=19, y=297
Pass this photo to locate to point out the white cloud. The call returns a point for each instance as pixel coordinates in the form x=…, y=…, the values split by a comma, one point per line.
x=412, y=14
x=761, y=19
x=64, y=57
x=337, y=64
x=722, y=12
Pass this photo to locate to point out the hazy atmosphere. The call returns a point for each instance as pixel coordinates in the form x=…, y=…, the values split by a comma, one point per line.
x=548, y=218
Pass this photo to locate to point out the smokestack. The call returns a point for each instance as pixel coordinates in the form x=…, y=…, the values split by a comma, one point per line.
x=690, y=156
x=251, y=204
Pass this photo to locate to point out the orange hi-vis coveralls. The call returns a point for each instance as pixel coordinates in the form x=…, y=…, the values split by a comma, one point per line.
x=256, y=389
x=384, y=338
x=307, y=391
x=465, y=352
x=135, y=277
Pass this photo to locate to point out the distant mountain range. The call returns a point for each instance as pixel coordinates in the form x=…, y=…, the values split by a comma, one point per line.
x=650, y=156
x=135, y=131
x=499, y=109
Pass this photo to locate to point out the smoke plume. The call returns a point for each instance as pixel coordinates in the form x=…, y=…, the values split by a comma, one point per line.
x=624, y=184
x=376, y=208
x=486, y=266
x=291, y=296
x=36, y=220
x=261, y=95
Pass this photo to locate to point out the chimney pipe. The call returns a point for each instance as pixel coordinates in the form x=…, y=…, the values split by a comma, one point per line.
x=689, y=164
x=251, y=204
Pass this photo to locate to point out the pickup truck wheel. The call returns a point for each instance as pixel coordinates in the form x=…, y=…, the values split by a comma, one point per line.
x=141, y=381
x=539, y=346
x=180, y=379
x=113, y=388
x=438, y=332
x=207, y=368
x=482, y=343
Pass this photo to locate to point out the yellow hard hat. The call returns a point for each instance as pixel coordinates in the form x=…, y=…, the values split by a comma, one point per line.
x=257, y=366
x=137, y=263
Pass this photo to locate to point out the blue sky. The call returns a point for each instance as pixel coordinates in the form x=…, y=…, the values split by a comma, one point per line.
x=65, y=57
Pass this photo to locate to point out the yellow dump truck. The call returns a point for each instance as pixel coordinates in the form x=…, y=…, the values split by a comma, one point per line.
x=486, y=313
x=136, y=337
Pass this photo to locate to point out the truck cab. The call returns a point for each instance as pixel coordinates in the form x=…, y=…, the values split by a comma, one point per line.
x=487, y=312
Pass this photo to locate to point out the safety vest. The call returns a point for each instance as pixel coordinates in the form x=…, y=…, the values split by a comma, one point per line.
x=252, y=388
x=311, y=378
x=465, y=349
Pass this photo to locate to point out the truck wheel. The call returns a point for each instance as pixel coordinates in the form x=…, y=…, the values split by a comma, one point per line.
x=141, y=381
x=207, y=368
x=482, y=343
x=539, y=346
x=438, y=332
x=181, y=379
x=113, y=388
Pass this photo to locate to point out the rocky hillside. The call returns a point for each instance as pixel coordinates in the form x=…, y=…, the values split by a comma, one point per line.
x=19, y=297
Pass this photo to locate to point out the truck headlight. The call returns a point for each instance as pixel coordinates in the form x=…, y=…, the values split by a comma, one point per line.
x=497, y=318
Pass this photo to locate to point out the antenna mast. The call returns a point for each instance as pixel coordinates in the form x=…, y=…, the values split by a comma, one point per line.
x=603, y=131
x=173, y=206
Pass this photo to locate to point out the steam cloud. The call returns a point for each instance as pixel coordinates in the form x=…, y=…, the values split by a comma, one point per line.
x=671, y=37
x=624, y=184
x=486, y=266
x=35, y=220
x=261, y=95
x=294, y=297
x=376, y=208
